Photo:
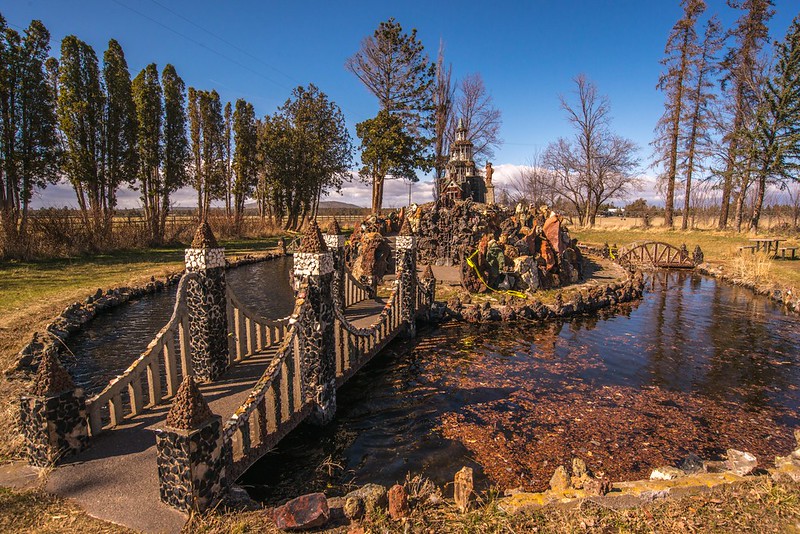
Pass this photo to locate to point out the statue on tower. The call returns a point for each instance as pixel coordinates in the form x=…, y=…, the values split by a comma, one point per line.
x=489, y=196
x=489, y=172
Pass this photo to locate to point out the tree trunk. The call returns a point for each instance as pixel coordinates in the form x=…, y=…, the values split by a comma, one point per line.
x=759, y=202
x=377, y=194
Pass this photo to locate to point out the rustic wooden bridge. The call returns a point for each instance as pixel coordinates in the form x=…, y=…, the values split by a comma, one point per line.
x=275, y=374
x=657, y=254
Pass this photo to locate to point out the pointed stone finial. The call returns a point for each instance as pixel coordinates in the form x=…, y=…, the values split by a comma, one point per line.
x=460, y=123
x=204, y=237
x=189, y=409
x=51, y=378
x=333, y=228
x=312, y=240
x=427, y=274
x=405, y=228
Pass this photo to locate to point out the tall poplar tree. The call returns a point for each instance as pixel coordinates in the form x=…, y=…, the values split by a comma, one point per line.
x=244, y=158
x=680, y=52
x=119, y=132
x=741, y=71
x=206, y=133
x=175, y=145
x=81, y=106
x=28, y=142
x=443, y=96
x=228, y=157
x=776, y=136
x=147, y=96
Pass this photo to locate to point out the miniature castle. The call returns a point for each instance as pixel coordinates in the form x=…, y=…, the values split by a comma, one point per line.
x=461, y=180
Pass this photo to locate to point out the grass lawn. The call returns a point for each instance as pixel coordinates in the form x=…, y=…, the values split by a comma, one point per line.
x=719, y=248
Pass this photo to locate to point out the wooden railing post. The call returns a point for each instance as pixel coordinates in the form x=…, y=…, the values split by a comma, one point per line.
x=313, y=263
x=406, y=246
x=206, y=299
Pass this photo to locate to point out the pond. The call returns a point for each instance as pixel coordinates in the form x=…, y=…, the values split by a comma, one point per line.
x=696, y=367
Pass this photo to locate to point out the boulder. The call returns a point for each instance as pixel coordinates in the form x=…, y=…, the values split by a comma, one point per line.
x=306, y=512
x=740, y=463
x=398, y=502
x=560, y=480
x=666, y=473
x=364, y=501
x=462, y=488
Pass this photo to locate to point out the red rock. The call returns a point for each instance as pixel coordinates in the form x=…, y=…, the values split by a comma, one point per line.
x=306, y=512
x=398, y=502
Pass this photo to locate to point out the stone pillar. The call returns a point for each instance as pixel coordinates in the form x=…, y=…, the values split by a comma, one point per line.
x=313, y=263
x=428, y=286
x=189, y=453
x=208, y=319
x=53, y=419
x=334, y=239
x=406, y=245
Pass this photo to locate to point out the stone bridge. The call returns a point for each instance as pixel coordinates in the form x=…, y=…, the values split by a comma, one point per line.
x=218, y=386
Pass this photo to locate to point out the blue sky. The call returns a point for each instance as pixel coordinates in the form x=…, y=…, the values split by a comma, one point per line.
x=527, y=52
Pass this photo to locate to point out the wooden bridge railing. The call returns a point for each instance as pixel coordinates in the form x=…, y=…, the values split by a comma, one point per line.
x=355, y=291
x=356, y=346
x=276, y=404
x=158, y=371
x=250, y=334
x=124, y=395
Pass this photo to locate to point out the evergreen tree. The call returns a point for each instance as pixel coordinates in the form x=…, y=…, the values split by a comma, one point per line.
x=81, y=106
x=120, y=122
x=28, y=142
x=700, y=116
x=776, y=136
x=245, y=157
x=175, y=145
x=147, y=97
x=394, y=67
x=741, y=67
x=680, y=52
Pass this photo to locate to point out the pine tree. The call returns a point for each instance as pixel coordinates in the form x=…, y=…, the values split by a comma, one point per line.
x=28, y=143
x=81, y=106
x=149, y=111
x=119, y=123
x=680, y=51
x=776, y=136
x=175, y=144
x=394, y=67
x=741, y=67
x=699, y=119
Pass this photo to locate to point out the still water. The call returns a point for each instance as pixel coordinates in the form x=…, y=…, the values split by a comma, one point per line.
x=108, y=344
x=694, y=368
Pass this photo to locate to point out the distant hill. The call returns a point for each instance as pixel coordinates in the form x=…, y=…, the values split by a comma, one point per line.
x=336, y=205
x=323, y=205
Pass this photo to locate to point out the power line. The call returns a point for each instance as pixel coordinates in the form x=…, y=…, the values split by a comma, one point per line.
x=225, y=41
x=202, y=45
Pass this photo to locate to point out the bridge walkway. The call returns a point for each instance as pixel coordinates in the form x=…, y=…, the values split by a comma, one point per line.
x=116, y=479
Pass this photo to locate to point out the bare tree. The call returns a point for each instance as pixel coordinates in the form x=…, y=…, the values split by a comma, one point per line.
x=599, y=165
x=533, y=184
x=475, y=106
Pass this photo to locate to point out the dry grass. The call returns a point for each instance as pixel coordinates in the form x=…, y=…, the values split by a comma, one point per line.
x=760, y=505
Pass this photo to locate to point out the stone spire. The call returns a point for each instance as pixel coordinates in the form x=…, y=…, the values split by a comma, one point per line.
x=427, y=274
x=333, y=228
x=405, y=228
x=51, y=378
x=312, y=240
x=204, y=237
x=189, y=409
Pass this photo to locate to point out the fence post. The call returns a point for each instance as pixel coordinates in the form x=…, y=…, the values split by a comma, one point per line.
x=189, y=453
x=406, y=245
x=314, y=264
x=205, y=298
x=53, y=418
x=334, y=239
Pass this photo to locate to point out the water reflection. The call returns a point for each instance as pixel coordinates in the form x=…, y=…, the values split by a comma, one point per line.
x=696, y=366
